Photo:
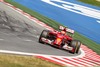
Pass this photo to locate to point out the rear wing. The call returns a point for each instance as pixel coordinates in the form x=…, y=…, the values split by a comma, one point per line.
x=67, y=29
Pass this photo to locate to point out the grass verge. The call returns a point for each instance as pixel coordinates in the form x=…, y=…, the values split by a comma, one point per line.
x=7, y=60
x=92, y=2
x=89, y=43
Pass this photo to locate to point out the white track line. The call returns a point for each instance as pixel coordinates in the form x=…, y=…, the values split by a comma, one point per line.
x=34, y=54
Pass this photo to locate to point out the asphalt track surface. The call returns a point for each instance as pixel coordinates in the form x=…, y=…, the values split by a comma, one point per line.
x=21, y=34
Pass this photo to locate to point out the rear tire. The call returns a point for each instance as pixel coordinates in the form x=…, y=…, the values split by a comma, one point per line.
x=76, y=45
x=43, y=34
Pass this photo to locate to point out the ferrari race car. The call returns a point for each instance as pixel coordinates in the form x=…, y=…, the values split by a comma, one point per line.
x=61, y=40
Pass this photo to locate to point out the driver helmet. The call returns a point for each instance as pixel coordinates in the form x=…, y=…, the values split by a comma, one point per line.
x=63, y=32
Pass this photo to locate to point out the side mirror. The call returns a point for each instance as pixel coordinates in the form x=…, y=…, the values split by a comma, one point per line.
x=61, y=27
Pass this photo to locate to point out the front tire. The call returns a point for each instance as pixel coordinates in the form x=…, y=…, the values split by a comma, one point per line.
x=76, y=46
x=43, y=34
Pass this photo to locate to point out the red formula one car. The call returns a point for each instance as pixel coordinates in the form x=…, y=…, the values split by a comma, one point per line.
x=62, y=39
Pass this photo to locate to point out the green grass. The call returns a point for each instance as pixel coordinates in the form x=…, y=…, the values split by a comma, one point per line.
x=92, y=2
x=89, y=43
x=7, y=60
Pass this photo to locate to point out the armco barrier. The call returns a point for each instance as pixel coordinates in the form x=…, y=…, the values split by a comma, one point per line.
x=90, y=59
